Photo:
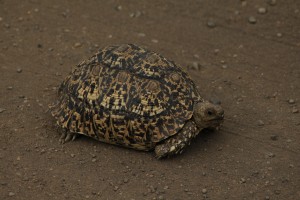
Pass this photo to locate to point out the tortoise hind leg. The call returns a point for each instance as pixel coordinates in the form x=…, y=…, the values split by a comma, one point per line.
x=67, y=136
x=178, y=142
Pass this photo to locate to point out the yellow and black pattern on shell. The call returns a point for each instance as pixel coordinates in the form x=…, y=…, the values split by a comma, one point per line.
x=126, y=95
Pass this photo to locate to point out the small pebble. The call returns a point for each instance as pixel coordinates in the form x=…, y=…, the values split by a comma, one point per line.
x=279, y=34
x=272, y=2
x=72, y=155
x=204, y=191
x=295, y=110
x=116, y=188
x=39, y=45
x=11, y=194
x=211, y=24
x=160, y=197
x=19, y=70
x=10, y=87
x=141, y=34
x=1, y=19
x=252, y=20
x=224, y=66
x=154, y=40
x=262, y=10
x=119, y=7
x=2, y=110
x=3, y=183
x=260, y=123
x=77, y=44
x=194, y=66
x=138, y=13
x=126, y=180
x=271, y=155
x=243, y=180
x=274, y=137
x=277, y=192
x=94, y=160
x=267, y=198
x=291, y=101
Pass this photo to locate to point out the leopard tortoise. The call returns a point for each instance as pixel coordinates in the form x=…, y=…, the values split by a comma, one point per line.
x=130, y=96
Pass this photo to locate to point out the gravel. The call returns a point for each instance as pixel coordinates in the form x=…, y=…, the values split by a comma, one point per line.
x=274, y=137
x=77, y=44
x=260, y=122
x=204, y=191
x=119, y=7
x=252, y=20
x=194, y=66
x=262, y=10
x=160, y=197
x=11, y=194
x=19, y=70
x=243, y=180
x=211, y=24
x=295, y=110
x=291, y=101
x=277, y=192
x=141, y=34
x=272, y=2
x=126, y=180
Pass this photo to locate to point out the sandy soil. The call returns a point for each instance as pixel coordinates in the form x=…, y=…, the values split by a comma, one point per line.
x=251, y=64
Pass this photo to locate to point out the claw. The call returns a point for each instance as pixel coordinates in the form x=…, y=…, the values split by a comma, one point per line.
x=74, y=136
x=62, y=137
x=67, y=137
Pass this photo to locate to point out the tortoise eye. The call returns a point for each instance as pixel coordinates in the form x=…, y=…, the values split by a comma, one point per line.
x=210, y=112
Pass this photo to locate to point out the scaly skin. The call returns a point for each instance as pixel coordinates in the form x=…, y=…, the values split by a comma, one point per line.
x=178, y=142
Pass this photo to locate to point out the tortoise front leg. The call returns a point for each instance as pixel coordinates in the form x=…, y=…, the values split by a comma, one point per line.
x=67, y=136
x=178, y=142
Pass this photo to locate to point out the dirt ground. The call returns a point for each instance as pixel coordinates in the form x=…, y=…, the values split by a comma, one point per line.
x=240, y=53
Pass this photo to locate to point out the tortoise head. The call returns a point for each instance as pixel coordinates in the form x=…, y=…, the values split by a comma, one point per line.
x=208, y=115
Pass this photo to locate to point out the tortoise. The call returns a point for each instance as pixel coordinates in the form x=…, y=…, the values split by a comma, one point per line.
x=133, y=97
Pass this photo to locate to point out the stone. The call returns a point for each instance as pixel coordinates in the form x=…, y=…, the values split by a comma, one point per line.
x=262, y=10
x=252, y=20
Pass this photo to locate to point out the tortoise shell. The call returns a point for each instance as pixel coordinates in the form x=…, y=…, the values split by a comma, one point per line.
x=126, y=95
